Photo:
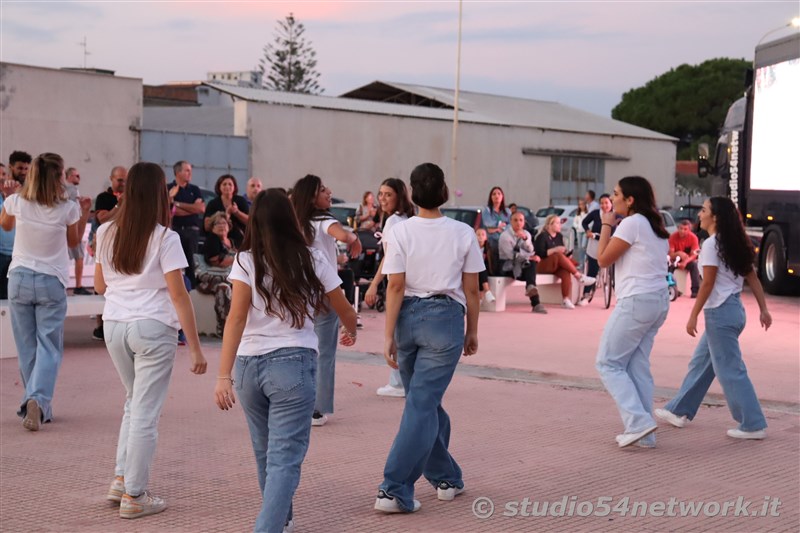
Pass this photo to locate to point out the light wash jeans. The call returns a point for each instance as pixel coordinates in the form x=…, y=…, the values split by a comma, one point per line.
x=623, y=357
x=394, y=378
x=326, y=327
x=277, y=393
x=718, y=354
x=430, y=340
x=143, y=353
x=38, y=304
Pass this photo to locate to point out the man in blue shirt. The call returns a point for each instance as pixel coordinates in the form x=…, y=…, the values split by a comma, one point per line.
x=187, y=212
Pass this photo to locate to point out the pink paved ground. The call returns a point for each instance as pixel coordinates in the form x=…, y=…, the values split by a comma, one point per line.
x=513, y=440
x=564, y=342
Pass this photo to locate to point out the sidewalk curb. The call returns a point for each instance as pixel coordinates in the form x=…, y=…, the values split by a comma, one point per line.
x=557, y=380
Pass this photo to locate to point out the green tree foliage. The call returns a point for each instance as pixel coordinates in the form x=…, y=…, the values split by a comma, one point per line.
x=688, y=102
x=289, y=63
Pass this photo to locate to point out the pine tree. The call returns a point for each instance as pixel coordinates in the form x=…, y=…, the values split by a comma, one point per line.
x=291, y=60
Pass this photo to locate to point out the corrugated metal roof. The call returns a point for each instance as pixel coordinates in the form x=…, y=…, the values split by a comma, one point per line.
x=474, y=107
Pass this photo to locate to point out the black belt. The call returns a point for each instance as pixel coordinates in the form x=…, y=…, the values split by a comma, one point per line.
x=437, y=297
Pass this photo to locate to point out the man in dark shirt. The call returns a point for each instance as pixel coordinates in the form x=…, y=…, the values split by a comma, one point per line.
x=187, y=211
x=104, y=207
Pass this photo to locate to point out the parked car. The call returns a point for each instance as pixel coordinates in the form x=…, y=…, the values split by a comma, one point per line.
x=345, y=213
x=687, y=212
x=669, y=221
x=469, y=215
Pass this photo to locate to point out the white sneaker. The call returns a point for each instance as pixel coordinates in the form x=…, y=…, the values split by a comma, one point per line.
x=626, y=439
x=289, y=527
x=386, y=504
x=672, y=418
x=755, y=435
x=638, y=443
x=143, y=505
x=588, y=281
x=359, y=324
x=392, y=392
x=318, y=419
x=489, y=297
x=447, y=491
x=583, y=302
x=567, y=304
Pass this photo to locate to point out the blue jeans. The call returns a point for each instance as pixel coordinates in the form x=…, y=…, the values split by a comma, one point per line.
x=623, y=357
x=143, y=352
x=38, y=305
x=326, y=327
x=277, y=391
x=718, y=354
x=430, y=340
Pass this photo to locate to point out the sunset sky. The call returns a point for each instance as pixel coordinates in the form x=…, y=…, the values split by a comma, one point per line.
x=583, y=54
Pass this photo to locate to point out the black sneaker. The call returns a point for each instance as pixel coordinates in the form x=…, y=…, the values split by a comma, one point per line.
x=359, y=325
x=97, y=334
x=82, y=291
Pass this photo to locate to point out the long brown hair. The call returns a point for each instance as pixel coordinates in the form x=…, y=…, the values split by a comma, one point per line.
x=734, y=247
x=280, y=249
x=43, y=184
x=304, y=196
x=644, y=202
x=144, y=205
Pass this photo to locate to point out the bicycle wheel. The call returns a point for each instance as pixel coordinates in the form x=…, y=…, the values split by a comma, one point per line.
x=608, y=286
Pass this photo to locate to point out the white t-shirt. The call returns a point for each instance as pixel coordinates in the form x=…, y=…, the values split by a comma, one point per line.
x=433, y=253
x=643, y=267
x=265, y=333
x=41, y=239
x=390, y=222
x=324, y=242
x=727, y=282
x=131, y=297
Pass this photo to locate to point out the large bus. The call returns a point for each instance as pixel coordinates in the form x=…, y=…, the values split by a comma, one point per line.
x=758, y=160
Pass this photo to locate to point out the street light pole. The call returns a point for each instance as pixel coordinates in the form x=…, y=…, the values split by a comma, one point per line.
x=794, y=23
x=454, y=149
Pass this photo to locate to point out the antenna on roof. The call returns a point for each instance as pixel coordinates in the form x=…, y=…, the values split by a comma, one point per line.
x=86, y=52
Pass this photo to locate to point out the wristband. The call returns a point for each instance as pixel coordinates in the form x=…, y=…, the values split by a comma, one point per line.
x=606, y=224
x=228, y=378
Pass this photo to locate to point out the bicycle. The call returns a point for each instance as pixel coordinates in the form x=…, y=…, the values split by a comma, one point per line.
x=607, y=275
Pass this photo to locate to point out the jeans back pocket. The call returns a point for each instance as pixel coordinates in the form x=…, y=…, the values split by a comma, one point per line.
x=285, y=372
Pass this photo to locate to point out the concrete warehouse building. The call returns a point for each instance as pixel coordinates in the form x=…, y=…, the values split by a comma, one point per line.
x=539, y=152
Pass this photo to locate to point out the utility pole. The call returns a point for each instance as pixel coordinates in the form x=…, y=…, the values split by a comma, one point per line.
x=454, y=150
x=86, y=52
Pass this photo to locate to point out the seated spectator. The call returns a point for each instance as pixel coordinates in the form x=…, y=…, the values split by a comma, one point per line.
x=684, y=244
x=229, y=202
x=212, y=274
x=366, y=212
x=550, y=247
x=519, y=258
x=483, y=277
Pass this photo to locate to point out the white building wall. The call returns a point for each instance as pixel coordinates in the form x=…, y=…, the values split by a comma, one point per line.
x=353, y=152
x=86, y=118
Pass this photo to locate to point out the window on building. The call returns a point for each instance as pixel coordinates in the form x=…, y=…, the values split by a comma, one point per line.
x=571, y=177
